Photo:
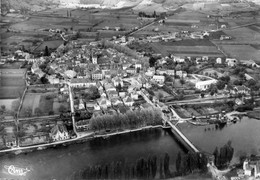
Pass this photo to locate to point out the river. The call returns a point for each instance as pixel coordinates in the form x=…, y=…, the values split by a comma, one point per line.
x=59, y=163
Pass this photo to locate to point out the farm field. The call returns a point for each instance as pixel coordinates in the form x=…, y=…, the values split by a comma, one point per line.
x=186, y=49
x=242, y=52
x=31, y=101
x=244, y=35
x=51, y=45
x=43, y=102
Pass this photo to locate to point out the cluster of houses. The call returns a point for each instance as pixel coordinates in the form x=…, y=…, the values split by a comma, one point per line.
x=251, y=169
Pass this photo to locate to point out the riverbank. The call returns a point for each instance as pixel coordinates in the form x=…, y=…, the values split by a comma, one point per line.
x=83, y=137
x=254, y=114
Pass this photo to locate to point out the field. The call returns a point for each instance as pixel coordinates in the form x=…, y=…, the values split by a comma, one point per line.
x=46, y=102
x=242, y=52
x=187, y=48
x=51, y=45
x=244, y=35
x=31, y=101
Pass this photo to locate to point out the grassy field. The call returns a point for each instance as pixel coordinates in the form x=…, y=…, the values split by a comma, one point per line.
x=242, y=52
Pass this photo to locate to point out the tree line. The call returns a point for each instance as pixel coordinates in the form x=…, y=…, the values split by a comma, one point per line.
x=143, y=168
x=129, y=120
x=190, y=163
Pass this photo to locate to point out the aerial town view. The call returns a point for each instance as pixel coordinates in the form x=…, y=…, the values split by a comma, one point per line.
x=130, y=89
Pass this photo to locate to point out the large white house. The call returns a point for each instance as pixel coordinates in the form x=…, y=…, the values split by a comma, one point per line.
x=203, y=85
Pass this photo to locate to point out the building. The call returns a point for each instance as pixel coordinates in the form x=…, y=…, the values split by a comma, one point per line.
x=178, y=59
x=10, y=141
x=219, y=60
x=159, y=78
x=240, y=90
x=128, y=101
x=97, y=75
x=203, y=85
x=170, y=72
x=251, y=168
x=117, y=80
x=80, y=82
x=231, y=62
x=182, y=74
x=59, y=132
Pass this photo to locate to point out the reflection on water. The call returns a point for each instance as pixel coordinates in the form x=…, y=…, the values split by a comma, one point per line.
x=61, y=162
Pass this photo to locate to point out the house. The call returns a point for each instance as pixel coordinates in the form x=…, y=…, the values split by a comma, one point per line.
x=203, y=85
x=248, y=77
x=240, y=90
x=219, y=60
x=97, y=75
x=161, y=71
x=10, y=141
x=112, y=94
x=81, y=104
x=59, y=132
x=94, y=59
x=70, y=74
x=138, y=65
x=178, y=59
x=118, y=81
x=170, y=72
x=131, y=70
x=134, y=95
x=53, y=80
x=104, y=103
x=205, y=58
x=109, y=87
x=159, y=78
x=249, y=63
x=231, y=62
x=251, y=168
x=128, y=101
x=182, y=74
x=116, y=102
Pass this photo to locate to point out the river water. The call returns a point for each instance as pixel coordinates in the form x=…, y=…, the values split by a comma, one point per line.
x=61, y=162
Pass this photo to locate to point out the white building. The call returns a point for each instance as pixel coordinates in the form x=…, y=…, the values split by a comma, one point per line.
x=159, y=79
x=203, y=85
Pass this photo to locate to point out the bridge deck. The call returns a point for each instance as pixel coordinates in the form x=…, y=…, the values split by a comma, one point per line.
x=183, y=137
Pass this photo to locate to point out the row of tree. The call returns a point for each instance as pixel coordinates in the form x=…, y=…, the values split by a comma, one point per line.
x=129, y=120
x=191, y=162
x=223, y=156
x=143, y=168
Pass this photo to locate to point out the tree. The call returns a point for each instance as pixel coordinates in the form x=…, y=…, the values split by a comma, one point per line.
x=51, y=112
x=216, y=156
x=178, y=162
x=166, y=164
x=3, y=109
x=46, y=51
x=62, y=109
x=152, y=61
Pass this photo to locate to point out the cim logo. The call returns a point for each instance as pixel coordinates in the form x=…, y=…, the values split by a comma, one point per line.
x=16, y=171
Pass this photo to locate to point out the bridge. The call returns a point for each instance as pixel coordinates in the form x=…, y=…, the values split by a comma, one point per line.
x=184, y=140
